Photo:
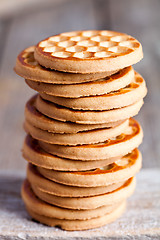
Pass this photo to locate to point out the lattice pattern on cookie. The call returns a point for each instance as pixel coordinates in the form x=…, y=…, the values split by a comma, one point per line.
x=28, y=67
x=89, y=45
x=27, y=57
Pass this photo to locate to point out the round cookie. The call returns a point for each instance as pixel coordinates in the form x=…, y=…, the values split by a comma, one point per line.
x=92, y=202
x=78, y=225
x=28, y=67
x=119, y=146
x=86, y=117
x=72, y=139
x=33, y=153
x=128, y=95
x=52, y=211
x=54, y=188
x=41, y=121
x=118, y=171
x=88, y=51
x=102, y=86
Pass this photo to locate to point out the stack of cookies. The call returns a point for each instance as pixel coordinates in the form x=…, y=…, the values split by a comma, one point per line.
x=81, y=143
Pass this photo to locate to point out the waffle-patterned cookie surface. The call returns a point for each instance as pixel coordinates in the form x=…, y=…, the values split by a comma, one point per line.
x=88, y=51
x=28, y=67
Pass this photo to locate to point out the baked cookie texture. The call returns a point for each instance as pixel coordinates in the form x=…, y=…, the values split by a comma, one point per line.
x=82, y=140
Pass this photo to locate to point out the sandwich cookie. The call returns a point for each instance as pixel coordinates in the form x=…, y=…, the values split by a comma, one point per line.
x=33, y=153
x=54, y=188
x=130, y=139
x=79, y=225
x=86, y=117
x=92, y=202
x=41, y=121
x=52, y=211
x=128, y=95
x=72, y=139
x=101, y=86
x=88, y=51
x=28, y=67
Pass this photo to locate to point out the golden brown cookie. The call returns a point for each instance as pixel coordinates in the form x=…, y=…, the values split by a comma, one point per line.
x=28, y=67
x=41, y=121
x=54, y=188
x=45, y=209
x=126, y=96
x=33, y=153
x=86, y=117
x=119, y=146
x=86, y=137
x=78, y=225
x=88, y=51
x=101, y=86
x=116, y=172
x=92, y=202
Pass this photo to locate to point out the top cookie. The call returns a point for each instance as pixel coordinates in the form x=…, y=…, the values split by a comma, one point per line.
x=28, y=67
x=88, y=51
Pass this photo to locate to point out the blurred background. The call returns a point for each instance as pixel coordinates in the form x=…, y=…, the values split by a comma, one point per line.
x=26, y=22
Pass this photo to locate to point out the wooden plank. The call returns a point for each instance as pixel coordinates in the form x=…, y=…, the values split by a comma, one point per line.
x=140, y=221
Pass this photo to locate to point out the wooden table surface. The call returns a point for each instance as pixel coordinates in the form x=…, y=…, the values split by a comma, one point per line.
x=25, y=26
x=140, y=221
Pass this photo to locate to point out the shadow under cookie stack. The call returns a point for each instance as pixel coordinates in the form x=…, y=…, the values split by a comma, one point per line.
x=81, y=143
